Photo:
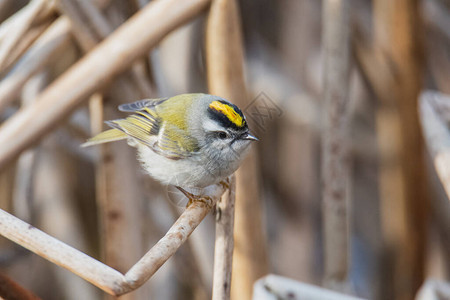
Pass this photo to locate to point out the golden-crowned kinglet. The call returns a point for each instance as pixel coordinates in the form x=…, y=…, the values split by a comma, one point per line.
x=189, y=140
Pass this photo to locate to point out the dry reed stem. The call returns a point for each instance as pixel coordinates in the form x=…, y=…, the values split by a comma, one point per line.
x=397, y=27
x=335, y=160
x=90, y=27
x=225, y=63
x=26, y=164
x=24, y=44
x=28, y=15
x=434, y=109
x=43, y=50
x=97, y=273
x=132, y=40
x=277, y=287
x=224, y=245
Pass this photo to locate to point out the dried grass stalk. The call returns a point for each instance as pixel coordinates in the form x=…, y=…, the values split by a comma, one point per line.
x=22, y=24
x=43, y=50
x=335, y=161
x=223, y=249
x=132, y=40
x=99, y=274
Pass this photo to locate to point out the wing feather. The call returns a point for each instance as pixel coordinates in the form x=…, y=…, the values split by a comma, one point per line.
x=107, y=136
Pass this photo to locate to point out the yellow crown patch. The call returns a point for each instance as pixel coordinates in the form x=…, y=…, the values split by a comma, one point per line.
x=229, y=112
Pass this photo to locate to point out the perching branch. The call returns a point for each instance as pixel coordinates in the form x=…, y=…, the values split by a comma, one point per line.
x=223, y=249
x=92, y=270
x=91, y=73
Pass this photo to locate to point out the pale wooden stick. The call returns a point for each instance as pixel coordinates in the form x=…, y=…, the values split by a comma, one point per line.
x=223, y=249
x=52, y=41
x=436, y=133
x=97, y=273
x=25, y=42
x=335, y=165
x=28, y=14
x=167, y=246
x=62, y=254
x=90, y=27
x=225, y=66
x=108, y=59
x=277, y=287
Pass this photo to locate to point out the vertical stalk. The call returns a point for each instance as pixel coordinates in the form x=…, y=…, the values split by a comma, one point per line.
x=225, y=64
x=223, y=250
x=335, y=164
x=404, y=205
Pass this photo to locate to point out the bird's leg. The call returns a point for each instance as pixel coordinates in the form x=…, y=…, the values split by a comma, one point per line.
x=192, y=197
x=225, y=183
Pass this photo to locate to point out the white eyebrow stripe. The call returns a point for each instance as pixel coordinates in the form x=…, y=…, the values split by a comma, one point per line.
x=210, y=125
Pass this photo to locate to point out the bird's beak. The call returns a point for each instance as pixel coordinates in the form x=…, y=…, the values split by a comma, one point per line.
x=249, y=137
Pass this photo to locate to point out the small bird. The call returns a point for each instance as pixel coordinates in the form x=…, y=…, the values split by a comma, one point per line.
x=190, y=141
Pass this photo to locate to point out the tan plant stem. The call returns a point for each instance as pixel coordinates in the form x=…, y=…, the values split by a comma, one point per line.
x=92, y=270
x=43, y=50
x=27, y=16
x=335, y=163
x=223, y=249
x=91, y=73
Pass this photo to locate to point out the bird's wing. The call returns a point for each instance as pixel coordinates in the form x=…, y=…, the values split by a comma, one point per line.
x=173, y=143
x=147, y=127
x=107, y=136
x=141, y=104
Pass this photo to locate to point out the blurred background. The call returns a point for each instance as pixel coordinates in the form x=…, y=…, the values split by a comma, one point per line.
x=99, y=200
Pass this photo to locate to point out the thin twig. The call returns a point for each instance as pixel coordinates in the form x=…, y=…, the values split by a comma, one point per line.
x=107, y=60
x=335, y=164
x=223, y=249
x=99, y=274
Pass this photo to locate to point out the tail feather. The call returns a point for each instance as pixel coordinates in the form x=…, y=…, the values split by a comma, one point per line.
x=107, y=136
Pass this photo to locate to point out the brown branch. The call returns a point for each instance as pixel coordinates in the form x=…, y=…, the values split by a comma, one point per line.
x=108, y=59
x=335, y=160
x=404, y=204
x=223, y=249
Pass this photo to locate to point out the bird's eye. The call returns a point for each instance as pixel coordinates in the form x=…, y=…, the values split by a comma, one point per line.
x=221, y=135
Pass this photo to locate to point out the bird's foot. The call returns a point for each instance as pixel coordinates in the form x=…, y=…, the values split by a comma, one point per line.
x=205, y=199
x=225, y=183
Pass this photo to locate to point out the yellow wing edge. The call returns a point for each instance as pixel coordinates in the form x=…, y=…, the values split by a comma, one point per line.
x=107, y=136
